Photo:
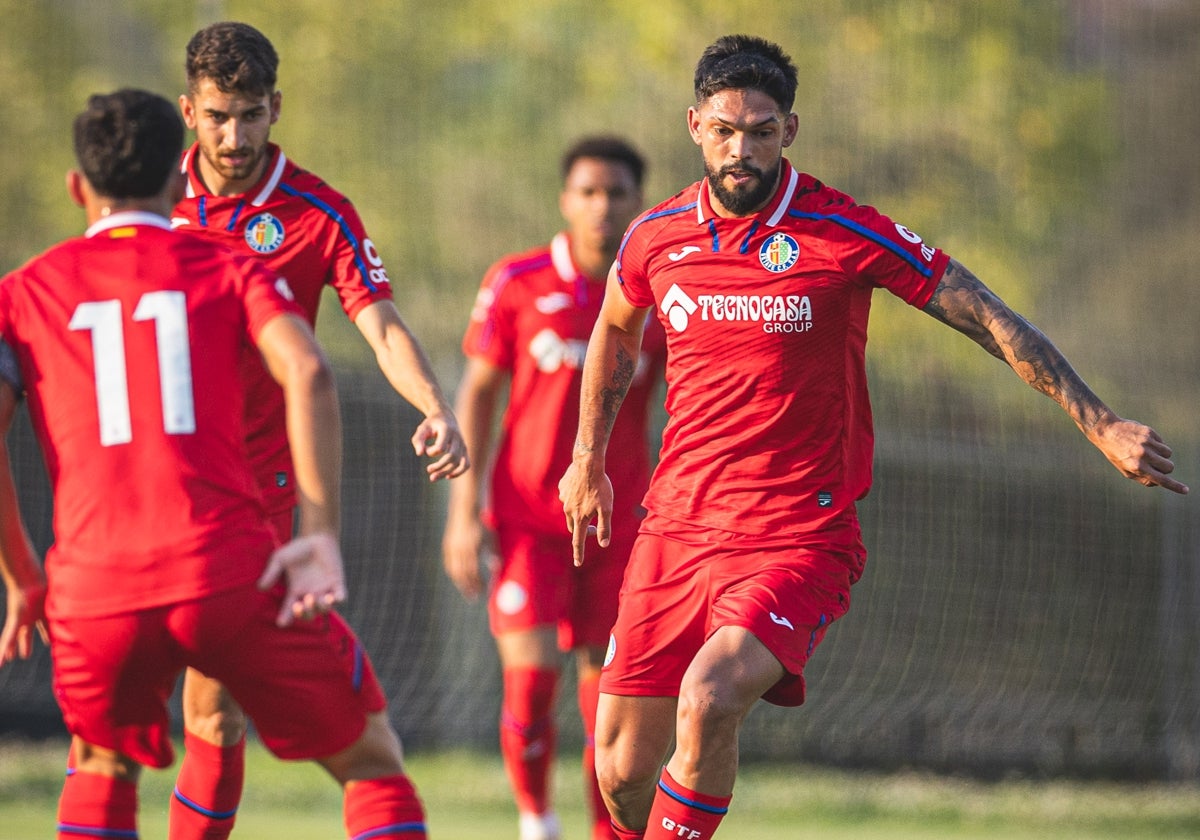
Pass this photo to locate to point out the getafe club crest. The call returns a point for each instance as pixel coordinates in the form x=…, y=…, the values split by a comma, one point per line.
x=264, y=233
x=779, y=253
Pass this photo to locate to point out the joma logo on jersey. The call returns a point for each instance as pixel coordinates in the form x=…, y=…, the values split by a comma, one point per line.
x=264, y=233
x=779, y=253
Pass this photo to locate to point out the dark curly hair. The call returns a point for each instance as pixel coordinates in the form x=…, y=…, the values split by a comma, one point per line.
x=745, y=62
x=236, y=56
x=127, y=143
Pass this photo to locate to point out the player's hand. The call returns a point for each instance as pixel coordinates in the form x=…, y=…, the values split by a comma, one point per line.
x=315, y=581
x=26, y=611
x=465, y=542
x=438, y=437
x=587, y=495
x=1138, y=453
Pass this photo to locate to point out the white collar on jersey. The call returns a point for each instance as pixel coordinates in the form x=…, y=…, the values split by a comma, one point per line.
x=780, y=209
x=263, y=194
x=125, y=218
x=560, y=255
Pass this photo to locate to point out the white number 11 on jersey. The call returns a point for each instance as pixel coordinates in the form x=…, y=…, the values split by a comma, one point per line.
x=168, y=310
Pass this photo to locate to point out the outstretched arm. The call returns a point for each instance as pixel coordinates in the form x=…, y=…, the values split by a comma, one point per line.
x=404, y=363
x=23, y=578
x=611, y=362
x=963, y=302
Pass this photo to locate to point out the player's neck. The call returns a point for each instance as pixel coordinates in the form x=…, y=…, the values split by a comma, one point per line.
x=593, y=262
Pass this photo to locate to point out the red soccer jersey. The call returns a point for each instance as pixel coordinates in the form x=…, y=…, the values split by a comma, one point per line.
x=128, y=343
x=309, y=233
x=532, y=318
x=770, y=431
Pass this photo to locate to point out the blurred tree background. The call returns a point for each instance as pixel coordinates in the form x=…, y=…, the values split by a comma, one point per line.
x=1048, y=144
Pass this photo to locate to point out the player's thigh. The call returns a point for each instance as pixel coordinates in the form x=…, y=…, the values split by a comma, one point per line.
x=787, y=600
x=728, y=675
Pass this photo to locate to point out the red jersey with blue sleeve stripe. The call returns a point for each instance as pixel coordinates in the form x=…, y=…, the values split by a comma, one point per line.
x=310, y=234
x=532, y=318
x=128, y=343
x=770, y=433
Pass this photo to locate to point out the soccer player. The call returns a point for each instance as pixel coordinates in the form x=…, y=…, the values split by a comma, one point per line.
x=762, y=277
x=127, y=343
x=527, y=336
x=245, y=193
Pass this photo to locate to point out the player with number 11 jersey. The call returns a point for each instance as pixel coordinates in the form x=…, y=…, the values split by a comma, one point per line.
x=158, y=318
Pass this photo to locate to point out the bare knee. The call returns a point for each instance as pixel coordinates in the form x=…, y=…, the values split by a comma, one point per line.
x=210, y=712
x=101, y=761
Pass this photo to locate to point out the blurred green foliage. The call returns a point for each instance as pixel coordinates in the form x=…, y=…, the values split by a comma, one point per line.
x=1013, y=133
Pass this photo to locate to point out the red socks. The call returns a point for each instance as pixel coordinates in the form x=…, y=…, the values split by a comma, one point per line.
x=682, y=814
x=97, y=806
x=528, y=736
x=207, y=791
x=589, y=696
x=389, y=807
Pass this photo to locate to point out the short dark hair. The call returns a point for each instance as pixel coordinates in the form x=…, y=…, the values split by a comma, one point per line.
x=236, y=56
x=745, y=62
x=128, y=143
x=605, y=147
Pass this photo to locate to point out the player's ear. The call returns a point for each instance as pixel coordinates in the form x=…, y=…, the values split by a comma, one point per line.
x=276, y=105
x=75, y=187
x=791, y=126
x=693, y=123
x=187, y=110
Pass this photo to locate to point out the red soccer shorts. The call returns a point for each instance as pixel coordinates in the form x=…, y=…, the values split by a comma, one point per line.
x=538, y=583
x=308, y=687
x=678, y=593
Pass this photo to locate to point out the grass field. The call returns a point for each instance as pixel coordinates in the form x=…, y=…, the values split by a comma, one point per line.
x=466, y=797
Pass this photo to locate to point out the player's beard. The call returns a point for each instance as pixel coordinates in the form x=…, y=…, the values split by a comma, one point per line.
x=240, y=172
x=742, y=201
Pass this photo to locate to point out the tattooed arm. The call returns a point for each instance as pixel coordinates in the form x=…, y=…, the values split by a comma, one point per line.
x=584, y=489
x=963, y=302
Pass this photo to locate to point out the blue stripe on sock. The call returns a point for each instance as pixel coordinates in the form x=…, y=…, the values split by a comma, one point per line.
x=89, y=831
x=396, y=828
x=691, y=803
x=200, y=809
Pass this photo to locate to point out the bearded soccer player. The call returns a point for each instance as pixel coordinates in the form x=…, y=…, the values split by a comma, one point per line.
x=527, y=336
x=127, y=343
x=244, y=192
x=762, y=277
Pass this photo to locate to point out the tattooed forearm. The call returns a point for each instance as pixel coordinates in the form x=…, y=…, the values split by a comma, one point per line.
x=963, y=302
x=611, y=395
